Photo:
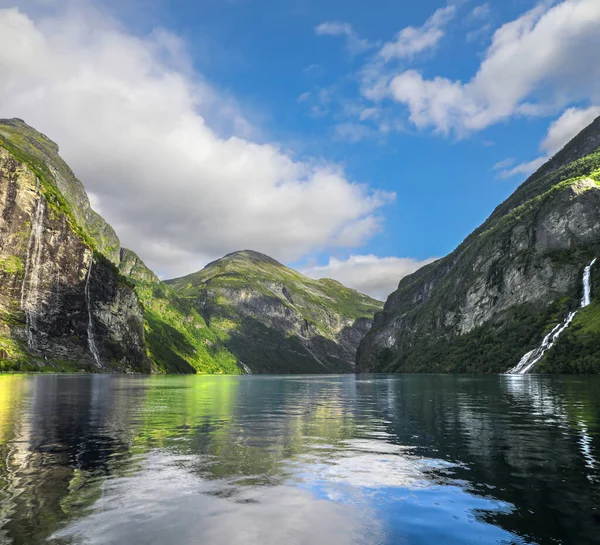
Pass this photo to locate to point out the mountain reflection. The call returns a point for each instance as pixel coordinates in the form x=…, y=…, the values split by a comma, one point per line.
x=385, y=459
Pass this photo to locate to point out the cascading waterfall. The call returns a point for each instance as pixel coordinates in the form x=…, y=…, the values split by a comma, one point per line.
x=529, y=360
x=90, y=326
x=246, y=368
x=31, y=281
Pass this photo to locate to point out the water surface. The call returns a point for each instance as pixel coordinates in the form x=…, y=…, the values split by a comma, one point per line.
x=413, y=459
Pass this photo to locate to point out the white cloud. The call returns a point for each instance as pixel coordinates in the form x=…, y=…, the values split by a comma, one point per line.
x=480, y=12
x=354, y=43
x=412, y=40
x=375, y=276
x=560, y=132
x=170, y=161
x=536, y=64
x=567, y=126
x=524, y=168
x=500, y=165
x=352, y=132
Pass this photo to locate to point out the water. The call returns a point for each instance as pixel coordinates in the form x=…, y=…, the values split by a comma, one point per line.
x=90, y=325
x=587, y=285
x=530, y=360
x=30, y=296
x=299, y=460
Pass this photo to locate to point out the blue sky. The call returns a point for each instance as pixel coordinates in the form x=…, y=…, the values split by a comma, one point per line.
x=372, y=136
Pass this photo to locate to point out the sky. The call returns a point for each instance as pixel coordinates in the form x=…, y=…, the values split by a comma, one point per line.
x=349, y=139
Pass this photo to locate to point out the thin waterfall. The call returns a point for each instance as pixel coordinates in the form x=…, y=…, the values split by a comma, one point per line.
x=90, y=326
x=31, y=280
x=246, y=368
x=587, y=285
x=529, y=360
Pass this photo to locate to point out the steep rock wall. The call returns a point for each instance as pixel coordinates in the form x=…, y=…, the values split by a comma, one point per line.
x=53, y=308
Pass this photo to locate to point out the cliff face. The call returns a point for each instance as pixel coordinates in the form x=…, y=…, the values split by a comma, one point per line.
x=507, y=285
x=276, y=320
x=62, y=305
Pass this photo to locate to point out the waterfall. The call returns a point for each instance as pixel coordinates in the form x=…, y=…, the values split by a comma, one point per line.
x=30, y=288
x=246, y=368
x=90, y=326
x=529, y=360
x=587, y=287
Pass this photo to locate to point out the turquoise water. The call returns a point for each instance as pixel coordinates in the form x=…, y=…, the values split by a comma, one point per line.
x=414, y=459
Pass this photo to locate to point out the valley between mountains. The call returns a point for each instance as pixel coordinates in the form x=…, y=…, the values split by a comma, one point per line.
x=73, y=299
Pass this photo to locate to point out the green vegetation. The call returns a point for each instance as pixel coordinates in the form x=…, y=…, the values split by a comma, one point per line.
x=491, y=348
x=12, y=264
x=177, y=337
x=252, y=270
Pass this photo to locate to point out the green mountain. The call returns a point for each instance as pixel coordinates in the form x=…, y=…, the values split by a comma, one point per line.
x=510, y=283
x=71, y=298
x=276, y=320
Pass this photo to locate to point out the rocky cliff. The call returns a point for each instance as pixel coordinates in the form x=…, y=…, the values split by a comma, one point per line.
x=63, y=304
x=276, y=320
x=507, y=285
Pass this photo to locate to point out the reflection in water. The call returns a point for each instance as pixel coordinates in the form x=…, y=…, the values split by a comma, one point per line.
x=298, y=460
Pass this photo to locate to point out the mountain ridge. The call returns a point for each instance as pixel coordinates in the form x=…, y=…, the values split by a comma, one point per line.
x=506, y=283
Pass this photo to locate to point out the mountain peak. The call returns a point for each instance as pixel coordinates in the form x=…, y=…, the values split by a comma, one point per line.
x=246, y=255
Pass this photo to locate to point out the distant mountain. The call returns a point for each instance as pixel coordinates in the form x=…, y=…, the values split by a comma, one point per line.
x=510, y=283
x=71, y=298
x=276, y=320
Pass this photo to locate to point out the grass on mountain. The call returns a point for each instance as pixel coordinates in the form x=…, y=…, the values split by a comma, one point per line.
x=177, y=336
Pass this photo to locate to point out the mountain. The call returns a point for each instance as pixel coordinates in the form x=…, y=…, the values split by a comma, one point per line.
x=71, y=298
x=63, y=303
x=509, y=284
x=276, y=320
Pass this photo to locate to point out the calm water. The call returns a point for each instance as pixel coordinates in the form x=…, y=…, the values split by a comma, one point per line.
x=299, y=460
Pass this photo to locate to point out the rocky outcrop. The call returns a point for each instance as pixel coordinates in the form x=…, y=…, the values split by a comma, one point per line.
x=61, y=303
x=510, y=282
x=275, y=320
x=131, y=266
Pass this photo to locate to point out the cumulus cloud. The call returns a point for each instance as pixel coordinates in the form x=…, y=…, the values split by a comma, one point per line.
x=535, y=65
x=560, y=132
x=567, y=126
x=480, y=12
x=375, y=276
x=412, y=40
x=354, y=43
x=174, y=166
x=376, y=74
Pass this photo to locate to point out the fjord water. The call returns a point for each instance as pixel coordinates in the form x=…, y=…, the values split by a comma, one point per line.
x=403, y=459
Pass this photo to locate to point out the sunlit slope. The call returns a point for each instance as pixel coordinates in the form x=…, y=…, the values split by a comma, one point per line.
x=276, y=319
